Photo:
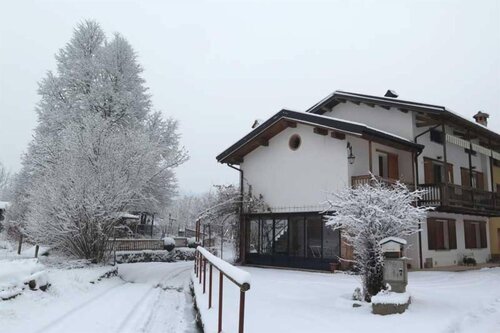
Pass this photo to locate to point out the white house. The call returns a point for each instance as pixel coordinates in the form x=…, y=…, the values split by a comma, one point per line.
x=294, y=159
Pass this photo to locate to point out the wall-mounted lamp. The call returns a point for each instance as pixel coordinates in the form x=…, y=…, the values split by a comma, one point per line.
x=350, y=157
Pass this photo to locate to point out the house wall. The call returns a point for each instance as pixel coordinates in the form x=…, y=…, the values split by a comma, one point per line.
x=412, y=251
x=300, y=178
x=456, y=155
x=392, y=121
x=454, y=257
x=361, y=165
x=495, y=236
x=405, y=161
x=495, y=222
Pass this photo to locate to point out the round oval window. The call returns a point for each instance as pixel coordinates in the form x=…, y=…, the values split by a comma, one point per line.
x=294, y=142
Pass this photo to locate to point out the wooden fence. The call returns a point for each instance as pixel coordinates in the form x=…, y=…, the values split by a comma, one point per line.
x=137, y=244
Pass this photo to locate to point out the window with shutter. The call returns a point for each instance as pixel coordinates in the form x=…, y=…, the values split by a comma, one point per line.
x=475, y=235
x=441, y=234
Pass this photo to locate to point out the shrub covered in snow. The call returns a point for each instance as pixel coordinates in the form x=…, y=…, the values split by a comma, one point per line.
x=178, y=254
x=168, y=243
x=192, y=243
x=369, y=213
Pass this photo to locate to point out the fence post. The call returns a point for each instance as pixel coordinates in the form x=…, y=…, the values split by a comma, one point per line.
x=242, y=311
x=200, y=263
x=204, y=274
x=36, y=250
x=221, y=276
x=210, y=287
x=20, y=244
x=196, y=262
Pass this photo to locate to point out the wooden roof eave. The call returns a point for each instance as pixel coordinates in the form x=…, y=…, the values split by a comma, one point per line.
x=262, y=139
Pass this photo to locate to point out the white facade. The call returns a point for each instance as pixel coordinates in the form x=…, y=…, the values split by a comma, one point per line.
x=301, y=178
x=395, y=122
x=454, y=256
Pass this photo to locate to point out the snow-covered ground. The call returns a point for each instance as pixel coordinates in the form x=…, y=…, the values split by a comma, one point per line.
x=145, y=297
x=293, y=301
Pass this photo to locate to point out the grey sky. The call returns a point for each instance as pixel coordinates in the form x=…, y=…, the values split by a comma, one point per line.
x=217, y=66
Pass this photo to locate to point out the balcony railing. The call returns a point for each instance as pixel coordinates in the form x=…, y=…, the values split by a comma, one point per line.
x=460, y=197
x=447, y=196
x=368, y=179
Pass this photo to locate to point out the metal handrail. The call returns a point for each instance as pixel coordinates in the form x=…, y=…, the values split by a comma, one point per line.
x=200, y=268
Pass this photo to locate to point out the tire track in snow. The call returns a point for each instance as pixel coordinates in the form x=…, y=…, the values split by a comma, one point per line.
x=77, y=308
x=132, y=307
x=134, y=313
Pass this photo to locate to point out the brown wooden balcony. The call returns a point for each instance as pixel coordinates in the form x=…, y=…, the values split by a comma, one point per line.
x=447, y=198
x=460, y=199
x=368, y=179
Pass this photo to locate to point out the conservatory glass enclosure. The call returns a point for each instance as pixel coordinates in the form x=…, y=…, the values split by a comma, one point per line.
x=291, y=240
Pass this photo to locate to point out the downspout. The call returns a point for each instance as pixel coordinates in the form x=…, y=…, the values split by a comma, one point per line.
x=242, y=234
x=416, y=184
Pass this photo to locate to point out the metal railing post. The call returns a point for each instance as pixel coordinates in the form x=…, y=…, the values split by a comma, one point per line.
x=204, y=274
x=195, y=262
x=242, y=312
x=221, y=276
x=210, y=287
x=199, y=269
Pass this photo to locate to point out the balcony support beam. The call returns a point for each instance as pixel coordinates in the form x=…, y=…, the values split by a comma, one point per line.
x=471, y=183
x=370, y=162
x=444, y=193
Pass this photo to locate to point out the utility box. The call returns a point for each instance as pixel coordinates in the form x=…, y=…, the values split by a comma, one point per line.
x=395, y=267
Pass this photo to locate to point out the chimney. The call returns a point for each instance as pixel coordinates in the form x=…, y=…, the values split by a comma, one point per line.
x=257, y=123
x=481, y=118
x=391, y=93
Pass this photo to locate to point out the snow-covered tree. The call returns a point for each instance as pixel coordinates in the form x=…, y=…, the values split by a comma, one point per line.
x=369, y=213
x=222, y=209
x=4, y=181
x=98, y=148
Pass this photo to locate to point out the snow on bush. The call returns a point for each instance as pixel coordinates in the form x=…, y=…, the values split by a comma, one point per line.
x=168, y=241
x=178, y=254
x=16, y=274
x=369, y=213
x=192, y=242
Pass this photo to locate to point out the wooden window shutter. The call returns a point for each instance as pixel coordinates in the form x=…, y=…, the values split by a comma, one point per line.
x=393, y=167
x=428, y=173
x=470, y=238
x=465, y=177
x=482, y=232
x=450, y=173
x=452, y=234
x=480, y=181
x=431, y=234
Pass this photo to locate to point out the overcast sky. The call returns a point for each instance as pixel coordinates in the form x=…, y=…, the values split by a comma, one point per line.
x=216, y=66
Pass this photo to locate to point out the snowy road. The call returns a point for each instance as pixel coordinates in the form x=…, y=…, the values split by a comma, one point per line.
x=146, y=297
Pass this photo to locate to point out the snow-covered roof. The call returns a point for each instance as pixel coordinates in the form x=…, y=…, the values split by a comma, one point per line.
x=4, y=204
x=393, y=239
x=390, y=102
x=278, y=122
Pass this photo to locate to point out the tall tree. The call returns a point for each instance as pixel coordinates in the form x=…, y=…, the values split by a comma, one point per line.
x=98, y=148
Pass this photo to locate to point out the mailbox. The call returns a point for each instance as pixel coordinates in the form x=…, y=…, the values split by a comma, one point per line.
x=395, y=268
x=392, y=247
